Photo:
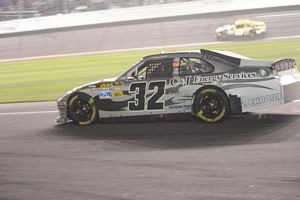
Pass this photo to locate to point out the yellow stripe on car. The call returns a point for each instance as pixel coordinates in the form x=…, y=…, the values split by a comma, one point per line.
x=73, y=99
x=208, y=90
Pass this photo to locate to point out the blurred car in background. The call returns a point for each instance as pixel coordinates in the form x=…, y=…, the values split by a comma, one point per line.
x=243, y=28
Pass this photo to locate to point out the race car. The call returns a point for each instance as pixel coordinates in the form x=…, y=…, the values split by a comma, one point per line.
x=207, y=84
x=241, y=29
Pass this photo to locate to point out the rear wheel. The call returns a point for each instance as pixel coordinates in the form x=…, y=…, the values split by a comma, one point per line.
x=211, y=105
x=82, y=109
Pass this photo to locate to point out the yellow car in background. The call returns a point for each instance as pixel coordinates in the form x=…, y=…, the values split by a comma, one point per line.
x=243, y=28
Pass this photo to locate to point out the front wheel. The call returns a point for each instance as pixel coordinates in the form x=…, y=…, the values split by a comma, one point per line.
x=82, y=109
x=211, y=105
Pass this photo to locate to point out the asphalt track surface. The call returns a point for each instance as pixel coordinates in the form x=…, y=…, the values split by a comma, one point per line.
x=187, y=31
x=255, y=156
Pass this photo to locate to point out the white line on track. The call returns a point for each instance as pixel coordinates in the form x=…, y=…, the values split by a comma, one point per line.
x=137, y=49
x=29, y=113
x=283, y=37
x=111, y=51
x=278, y=15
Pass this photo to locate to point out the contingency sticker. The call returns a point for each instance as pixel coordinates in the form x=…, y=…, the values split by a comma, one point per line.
x=105, y=93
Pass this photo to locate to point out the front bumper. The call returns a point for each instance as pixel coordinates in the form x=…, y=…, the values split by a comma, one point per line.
x=62, y=112
x=62, y=118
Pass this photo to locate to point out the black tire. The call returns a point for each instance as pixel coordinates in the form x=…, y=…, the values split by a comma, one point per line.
x=211, y=105
x=82, y=109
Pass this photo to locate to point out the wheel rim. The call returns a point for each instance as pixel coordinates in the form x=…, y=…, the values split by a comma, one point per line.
x=211, y=108
x=82, y=110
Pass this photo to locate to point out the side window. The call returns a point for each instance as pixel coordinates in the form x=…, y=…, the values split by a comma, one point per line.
x=154, y=69
x=190, y=66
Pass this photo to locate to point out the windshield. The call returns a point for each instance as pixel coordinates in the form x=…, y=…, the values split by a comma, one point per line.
x=130, y=72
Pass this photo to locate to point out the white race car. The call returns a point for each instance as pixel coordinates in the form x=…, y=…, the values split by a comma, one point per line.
x=207, y=84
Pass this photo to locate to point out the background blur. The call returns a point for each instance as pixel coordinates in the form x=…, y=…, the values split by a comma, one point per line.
x=50, y=46
x=17, y=9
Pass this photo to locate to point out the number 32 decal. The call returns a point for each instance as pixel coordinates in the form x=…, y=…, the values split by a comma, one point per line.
x=139, y=90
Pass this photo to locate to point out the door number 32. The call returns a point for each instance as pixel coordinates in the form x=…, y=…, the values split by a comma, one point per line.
x=140, y=99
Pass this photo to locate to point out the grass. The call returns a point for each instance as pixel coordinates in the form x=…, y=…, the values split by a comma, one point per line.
x=44, y=80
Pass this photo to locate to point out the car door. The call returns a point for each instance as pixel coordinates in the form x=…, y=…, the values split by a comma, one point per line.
x=239, y=30
x=184, y=83
x=146, y=87
x=247, y=29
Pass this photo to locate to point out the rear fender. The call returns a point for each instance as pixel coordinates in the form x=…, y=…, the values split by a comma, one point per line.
x=288, y=74
x=234, y=101
x=283, y=65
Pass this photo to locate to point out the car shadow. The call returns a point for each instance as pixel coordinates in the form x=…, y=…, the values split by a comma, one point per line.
x=244, y=129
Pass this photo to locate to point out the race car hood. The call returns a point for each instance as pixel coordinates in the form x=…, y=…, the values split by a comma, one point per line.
x=93, y=84
x=85, y=86
x=223, y=28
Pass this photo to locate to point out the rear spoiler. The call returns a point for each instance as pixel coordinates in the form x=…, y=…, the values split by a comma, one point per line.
x=283, y=64
x=231, y=59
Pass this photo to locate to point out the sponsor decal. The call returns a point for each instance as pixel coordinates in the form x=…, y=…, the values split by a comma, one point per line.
x=176, y=81
x=180, y=81
x=117, y=94
x=180, y=107
x=105, y=95
x=265, y=99
x=207, y=79
x=109, y=90
x=225, y=77
x=118, y=84
x=117, y=91
x=264, y=72
x=105, y=85
x=105, y=89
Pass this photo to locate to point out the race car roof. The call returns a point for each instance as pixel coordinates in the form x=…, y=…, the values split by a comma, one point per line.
x=234, y=58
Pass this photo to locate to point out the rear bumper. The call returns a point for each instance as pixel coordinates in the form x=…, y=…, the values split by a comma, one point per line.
x=291, y=92
x=290, y=81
